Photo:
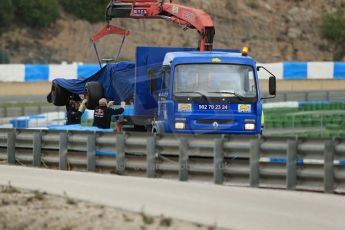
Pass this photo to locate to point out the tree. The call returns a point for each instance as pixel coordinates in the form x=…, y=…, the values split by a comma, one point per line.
x=92, y=11
x=37, y=13
x=333, y=29
x=4, y=59
x=6, y=12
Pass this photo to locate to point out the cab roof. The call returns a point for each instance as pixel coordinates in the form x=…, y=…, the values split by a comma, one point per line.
x=234, y=57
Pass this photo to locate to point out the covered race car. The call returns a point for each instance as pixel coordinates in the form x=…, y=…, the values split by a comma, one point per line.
x=114, y=82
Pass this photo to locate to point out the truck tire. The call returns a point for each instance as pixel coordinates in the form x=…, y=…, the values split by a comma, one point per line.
x=59, y=95
x=93, y=92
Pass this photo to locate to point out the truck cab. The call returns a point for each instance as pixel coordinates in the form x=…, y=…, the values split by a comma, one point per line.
x=209, y=92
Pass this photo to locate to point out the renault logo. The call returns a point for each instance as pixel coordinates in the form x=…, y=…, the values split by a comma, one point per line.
x=215, y=125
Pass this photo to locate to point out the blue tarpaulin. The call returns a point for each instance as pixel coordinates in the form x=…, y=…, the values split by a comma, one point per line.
x=117, y=81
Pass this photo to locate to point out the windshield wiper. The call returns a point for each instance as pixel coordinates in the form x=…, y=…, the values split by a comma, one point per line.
x=239, y=96
x=197, y=92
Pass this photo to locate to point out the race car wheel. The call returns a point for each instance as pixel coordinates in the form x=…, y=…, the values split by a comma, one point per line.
x=93, y=92
x=59, y=95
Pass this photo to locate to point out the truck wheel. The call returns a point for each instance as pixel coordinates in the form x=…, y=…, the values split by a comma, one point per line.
x=93, y=92
x=59, y=95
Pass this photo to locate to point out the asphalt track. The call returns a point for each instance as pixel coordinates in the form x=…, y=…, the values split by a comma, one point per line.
x=228, y=207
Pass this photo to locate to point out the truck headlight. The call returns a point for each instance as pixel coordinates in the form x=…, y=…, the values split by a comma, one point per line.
x=180, y=125
x=249, y=126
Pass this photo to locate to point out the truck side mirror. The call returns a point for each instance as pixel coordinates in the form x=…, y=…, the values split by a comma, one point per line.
x=272, y=85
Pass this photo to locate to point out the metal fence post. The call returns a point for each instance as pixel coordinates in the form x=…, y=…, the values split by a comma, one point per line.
x=291, y=178
x=63, y=149
x=329, y=166
x=120, y=154
x=11, y=147
x=91, y=153
x=37, y=146
x=183, y=160
x=328, y=96
x=218, y=160
x=254, y=162
x=151, y=157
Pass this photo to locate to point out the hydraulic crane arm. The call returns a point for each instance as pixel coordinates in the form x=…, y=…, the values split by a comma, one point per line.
x=153, y=9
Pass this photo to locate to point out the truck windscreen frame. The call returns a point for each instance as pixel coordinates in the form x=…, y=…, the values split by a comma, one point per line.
x=215, y=81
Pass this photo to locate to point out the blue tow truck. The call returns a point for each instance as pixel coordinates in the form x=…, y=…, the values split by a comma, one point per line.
x=179, y=90
x=175, y=90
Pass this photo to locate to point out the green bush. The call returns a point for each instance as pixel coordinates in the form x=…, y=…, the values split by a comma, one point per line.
x=92, y=11
x=37, y=13
x=4, y=59
x=333, y=29
x=333, y=26
x=252, y=4
x=6, y=12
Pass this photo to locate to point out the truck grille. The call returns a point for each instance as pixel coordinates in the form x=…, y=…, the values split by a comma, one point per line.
x=211, y=121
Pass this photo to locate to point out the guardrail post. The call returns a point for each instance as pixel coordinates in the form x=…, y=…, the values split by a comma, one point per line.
x=306, y=96
x=63, y=149
x=328, y=96
x=183, y=160
x=254, y=162
x=91, y=153
x=328, y=178
x=11, y=147
x=120, y=154
x=37, y=145
x=291, y=178
x=151, y=157
x=218, y=160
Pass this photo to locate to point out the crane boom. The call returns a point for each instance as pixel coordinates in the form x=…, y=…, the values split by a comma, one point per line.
x=159, y=9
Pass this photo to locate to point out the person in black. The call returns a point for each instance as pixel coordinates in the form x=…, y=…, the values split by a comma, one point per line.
x=103, y=114
x=74, y=112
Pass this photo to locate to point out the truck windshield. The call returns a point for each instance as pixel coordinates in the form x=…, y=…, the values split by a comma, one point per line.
x=215, y=80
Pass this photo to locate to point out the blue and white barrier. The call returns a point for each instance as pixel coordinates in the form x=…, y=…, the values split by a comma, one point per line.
x=285, y=70
x=37, y=121
x=294, y=104
x=278, y=105
x=32, y=73
x=300, y=161
x=305, y=70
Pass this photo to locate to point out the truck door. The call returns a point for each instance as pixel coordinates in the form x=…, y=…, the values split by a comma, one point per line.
x=164, y=92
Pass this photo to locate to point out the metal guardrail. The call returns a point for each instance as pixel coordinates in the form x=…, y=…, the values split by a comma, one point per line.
x=291, y=163
x=337, y=95
x=27, y=110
